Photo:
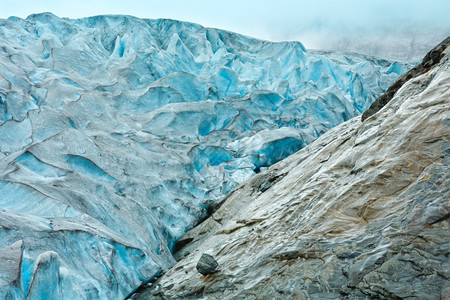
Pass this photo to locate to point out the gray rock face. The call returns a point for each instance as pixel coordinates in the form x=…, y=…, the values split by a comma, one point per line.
x=207, y=264
x=361, y=213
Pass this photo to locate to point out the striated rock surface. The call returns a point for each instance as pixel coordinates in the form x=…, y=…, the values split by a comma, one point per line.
x=361, y=213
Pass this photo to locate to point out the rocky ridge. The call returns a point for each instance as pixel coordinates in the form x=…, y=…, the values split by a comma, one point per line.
x=433, y=57
x=360, y=213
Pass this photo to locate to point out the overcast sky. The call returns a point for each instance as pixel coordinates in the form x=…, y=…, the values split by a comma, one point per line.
x=273, y=20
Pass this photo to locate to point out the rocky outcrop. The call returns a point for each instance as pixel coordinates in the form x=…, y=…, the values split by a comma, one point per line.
x=432, y=58
x=361, y=213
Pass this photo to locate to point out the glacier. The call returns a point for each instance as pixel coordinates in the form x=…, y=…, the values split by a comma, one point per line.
x=360, y=213
x=117, y=134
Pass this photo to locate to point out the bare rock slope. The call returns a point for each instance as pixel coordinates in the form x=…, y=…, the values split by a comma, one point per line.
x=362, y=212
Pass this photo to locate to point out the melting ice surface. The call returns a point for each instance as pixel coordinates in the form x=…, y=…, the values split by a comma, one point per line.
x=115, y=131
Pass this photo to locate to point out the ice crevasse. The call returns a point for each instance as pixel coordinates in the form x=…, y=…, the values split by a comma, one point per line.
x=116, y=133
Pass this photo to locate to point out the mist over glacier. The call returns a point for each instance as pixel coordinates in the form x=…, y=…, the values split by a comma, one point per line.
x=116, y=133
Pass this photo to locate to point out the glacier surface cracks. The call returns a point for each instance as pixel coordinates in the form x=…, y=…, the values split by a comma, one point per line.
x=116, y=132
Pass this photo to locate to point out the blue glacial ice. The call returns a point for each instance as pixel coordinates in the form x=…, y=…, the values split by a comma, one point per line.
x=115, y=131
